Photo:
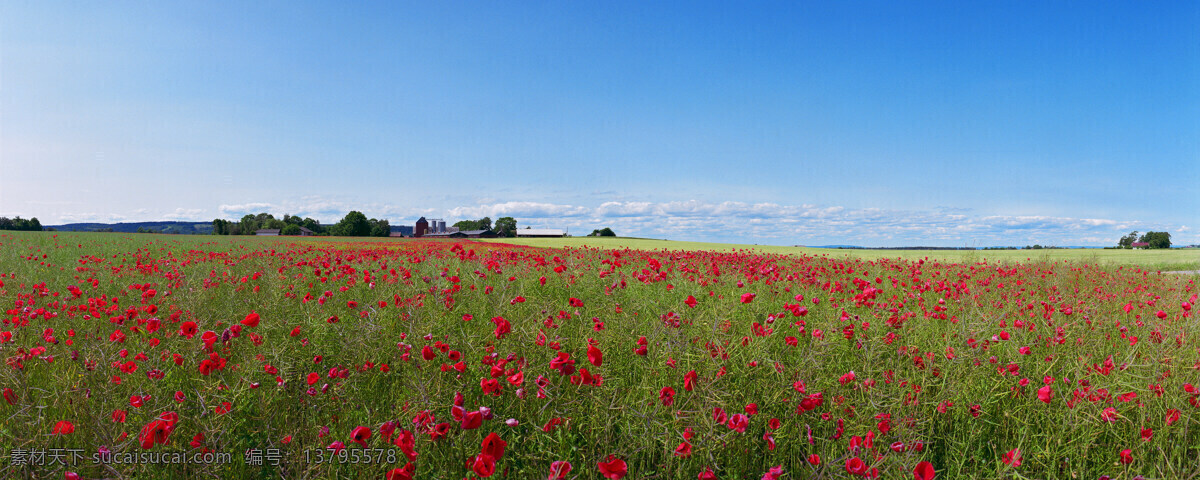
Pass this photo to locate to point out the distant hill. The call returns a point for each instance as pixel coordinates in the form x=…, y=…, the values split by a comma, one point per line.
x=180, y=228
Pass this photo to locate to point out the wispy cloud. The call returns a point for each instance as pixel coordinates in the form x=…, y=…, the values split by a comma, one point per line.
x=185, y=214
x=519, y=209
x=241, y=209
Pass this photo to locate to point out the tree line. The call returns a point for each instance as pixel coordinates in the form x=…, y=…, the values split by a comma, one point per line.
x=354, y=224
x=1150, y=239
x=504, y=227
x=20, y=224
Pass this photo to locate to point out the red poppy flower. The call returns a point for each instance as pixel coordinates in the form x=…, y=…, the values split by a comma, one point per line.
x=405, y=473
x=484, y=465
x=493, y=446
x=408, y=444
x=689, y=380
x=719, y=415
x=683, y=450
x=1172, y=416
x=747, y=297
x=63, y=427
x=924, y=471
x=1126, y=457
x=472, y=420
x=855, y=466
x=188, y=329
x=613, y=469
x=773, y=473
x=739, y=423
x=667, y=396
x=251, y=320
x=1012, y=458
x=690, y=302
x=559, y=470
x=549, y=426
x=502, y=327
x=594, y=355
x=360, y=435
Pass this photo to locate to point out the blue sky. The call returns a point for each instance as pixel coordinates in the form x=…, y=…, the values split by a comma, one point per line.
x=869, y=123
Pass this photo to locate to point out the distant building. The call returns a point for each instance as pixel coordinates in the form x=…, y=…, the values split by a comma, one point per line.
x=446, y=235
x=479, y=233
x=541, y=232
x=267, y=231
x=437, y=225
x=304, y=232
x=421, y=228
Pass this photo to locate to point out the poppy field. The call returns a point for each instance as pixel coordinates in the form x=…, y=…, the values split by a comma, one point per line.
x=155, y=356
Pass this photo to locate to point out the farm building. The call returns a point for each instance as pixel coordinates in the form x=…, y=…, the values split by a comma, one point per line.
x=479, y=233
x=304, y=232
x=267, y=231
x=541, y=232
x=446, y=235
x=421, y=228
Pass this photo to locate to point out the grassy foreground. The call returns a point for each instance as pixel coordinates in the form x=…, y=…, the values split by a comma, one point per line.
x=151, y=356
x=1165, y=259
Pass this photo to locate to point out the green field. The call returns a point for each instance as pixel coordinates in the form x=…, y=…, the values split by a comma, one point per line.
x=1165, y=260
x=447, y=359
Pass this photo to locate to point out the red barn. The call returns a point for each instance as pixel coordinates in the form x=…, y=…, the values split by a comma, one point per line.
x=421, y=228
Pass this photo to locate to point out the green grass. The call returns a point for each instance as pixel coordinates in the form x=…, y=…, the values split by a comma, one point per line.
x=1166, y=260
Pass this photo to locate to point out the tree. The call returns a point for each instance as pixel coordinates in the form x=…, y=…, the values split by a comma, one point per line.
x=1127, y=241
x=290, y=229
x=506, y=226
x=313, y=225
x=484, y=223
x=248, y=225
x=19, y=224
x=1157, y=239
x=379, y=228
x=354, y=224
x=604, y=232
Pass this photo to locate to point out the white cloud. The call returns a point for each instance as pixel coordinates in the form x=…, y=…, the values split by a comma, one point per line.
x=242, y=209
x=185, y=214
x=518, y=209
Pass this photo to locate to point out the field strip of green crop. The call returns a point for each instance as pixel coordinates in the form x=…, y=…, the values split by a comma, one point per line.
x=1165, y=260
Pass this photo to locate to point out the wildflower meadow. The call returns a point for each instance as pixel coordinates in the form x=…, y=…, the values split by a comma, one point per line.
x=158, y=356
